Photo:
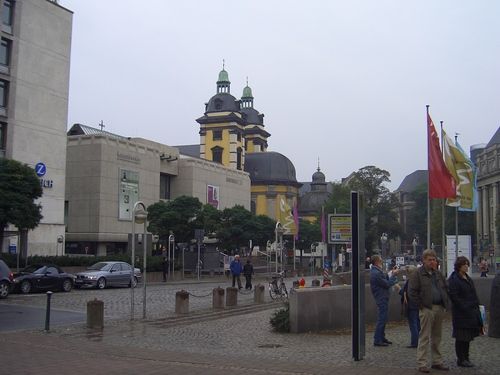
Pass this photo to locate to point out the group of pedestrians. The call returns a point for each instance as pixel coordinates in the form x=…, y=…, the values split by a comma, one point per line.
x=237, y=269
x=426, y=296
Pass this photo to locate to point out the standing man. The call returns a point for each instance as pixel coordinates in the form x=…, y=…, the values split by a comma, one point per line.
x=236, y=269
x=248, y=272
x=427, y=288
x=165, y=263
x=380, y=284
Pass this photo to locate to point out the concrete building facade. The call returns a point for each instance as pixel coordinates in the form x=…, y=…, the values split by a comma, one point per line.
x=108, y=173
x=34, y=85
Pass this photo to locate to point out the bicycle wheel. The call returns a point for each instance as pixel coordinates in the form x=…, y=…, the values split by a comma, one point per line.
x=283, y=291
x=273, y=293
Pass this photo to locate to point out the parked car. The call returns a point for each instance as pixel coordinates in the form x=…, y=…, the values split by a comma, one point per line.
x=6, y=278
x=103, y=274
x=38, y=277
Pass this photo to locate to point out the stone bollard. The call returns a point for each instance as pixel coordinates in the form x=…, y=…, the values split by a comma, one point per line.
x=315, y=282
x=231, y=296
x=218, y=298
x=258, y=294
x=494, y=322
x=182, y=302
x=95, y=314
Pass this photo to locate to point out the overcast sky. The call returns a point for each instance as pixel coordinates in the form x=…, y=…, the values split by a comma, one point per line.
x=343, y=81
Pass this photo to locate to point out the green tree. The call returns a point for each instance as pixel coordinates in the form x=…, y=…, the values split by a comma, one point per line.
x=237, y=227
x=19, y=187
x=340, y=199
x=178, y=216
x=309, y=232
x=263, y=230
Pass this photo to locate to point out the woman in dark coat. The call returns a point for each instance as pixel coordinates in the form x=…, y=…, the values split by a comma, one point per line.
x=466, y=317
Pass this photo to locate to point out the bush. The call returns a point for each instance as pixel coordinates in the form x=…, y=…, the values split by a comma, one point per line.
x=280, y=320
x=154, y=263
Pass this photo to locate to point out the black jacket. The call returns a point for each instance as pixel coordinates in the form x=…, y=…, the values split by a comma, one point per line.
x=465, y=304
x=248, y=270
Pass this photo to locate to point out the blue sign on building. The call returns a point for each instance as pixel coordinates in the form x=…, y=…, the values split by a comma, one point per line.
x=40, y=169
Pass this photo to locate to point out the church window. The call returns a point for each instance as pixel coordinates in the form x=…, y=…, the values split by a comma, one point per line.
x=217, y=154
x=217, y=135
x=238, y=158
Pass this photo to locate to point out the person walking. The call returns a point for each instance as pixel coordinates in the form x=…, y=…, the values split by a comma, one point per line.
x=466, y=317
x=427, y=288
x=248, y=272
x=410, y=310
x=380, y=284
x=236, y=270
x=483, y=268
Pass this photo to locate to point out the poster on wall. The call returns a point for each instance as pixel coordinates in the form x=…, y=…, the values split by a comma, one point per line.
x=128, y=194
x=464, y=249
x=213, y=196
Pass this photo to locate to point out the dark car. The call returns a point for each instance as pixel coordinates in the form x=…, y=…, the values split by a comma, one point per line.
x=6, y=278
x=39, y=277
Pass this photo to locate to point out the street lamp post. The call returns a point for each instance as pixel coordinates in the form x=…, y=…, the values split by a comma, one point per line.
x=383, y=242
x=278, y=230
x=139, y=216
x=171, y=244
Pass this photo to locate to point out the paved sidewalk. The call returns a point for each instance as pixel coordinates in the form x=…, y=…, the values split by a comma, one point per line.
x=236, y=344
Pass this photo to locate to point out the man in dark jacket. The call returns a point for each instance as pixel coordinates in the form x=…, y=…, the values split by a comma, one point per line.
x=427, y=288
x=248, y=272
x=380, y=284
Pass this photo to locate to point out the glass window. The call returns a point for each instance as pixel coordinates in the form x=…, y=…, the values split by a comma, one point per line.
x=7, y=12
x=217, y=135
x=3, y=93
x=5, y=52
x=126, y=267
x=164, y=186
x=52, y=270
x=217, y=154
x=117, y=267
x=3, y=138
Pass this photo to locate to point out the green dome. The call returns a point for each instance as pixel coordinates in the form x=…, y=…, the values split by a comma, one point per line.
x=223, y=76
x=247, y=92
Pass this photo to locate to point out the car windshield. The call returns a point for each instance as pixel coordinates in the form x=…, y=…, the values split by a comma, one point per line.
x=34, y=269
x=101, y=266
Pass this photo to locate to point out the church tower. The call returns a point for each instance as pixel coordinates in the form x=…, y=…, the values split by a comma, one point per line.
x=255, y=135
x=222, y=127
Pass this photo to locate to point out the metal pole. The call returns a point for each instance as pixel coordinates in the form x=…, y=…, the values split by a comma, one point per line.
x=198, y=260
x=173, y=257
x=133, y=269
x=144, y=245
x=47, y=312
x=183, y=249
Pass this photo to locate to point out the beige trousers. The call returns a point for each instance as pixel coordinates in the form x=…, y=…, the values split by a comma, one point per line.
x=431, y=322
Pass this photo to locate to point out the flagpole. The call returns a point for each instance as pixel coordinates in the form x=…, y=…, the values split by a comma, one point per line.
x=444, y=250
x=428, y=188
x=456, y=220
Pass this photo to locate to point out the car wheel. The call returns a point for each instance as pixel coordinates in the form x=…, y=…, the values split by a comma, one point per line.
x=134, y=283
x=4, y=289
x=101, y=283
x=67, y=285
x=25, y=287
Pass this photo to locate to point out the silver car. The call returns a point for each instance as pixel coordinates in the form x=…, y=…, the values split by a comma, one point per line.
x=103, y=274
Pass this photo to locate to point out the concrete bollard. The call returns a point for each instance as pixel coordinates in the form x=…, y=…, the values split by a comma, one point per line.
x=95, y=314
x=315, y=283
x=258, y=294
x=182, y=302
x=218, y=298
x=494, y=321
x=231, y=296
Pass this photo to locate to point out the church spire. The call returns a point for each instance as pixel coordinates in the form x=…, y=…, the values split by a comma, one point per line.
x=247, y=97
x=223, y=83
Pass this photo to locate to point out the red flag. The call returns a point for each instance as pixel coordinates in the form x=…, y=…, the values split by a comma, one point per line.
x=441, y=182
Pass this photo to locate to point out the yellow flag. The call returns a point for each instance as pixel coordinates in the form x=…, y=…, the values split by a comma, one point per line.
x=286, y=217
x=462, y=170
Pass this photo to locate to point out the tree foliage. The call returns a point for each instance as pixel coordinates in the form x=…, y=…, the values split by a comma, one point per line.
x=309, y=232
x=19, y=188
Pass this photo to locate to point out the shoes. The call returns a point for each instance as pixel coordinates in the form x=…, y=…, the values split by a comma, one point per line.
x=380, y=344
x=440, y=367
x=424, y=369
x=411, y=346
x=464, y=363
x=387, y=341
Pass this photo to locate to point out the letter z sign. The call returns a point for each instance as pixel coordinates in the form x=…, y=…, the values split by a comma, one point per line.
x=40, y=169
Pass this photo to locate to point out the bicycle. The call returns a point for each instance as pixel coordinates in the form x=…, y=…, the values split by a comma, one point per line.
x=277, y=287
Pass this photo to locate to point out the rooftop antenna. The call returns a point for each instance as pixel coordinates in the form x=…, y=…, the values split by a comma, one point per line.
x=223, y=64
x=101, y=125
x=318, y=164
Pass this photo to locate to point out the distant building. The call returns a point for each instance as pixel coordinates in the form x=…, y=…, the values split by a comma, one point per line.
x=34, y=84
x=487, y=160
x=312, y=200
x=108, y=173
